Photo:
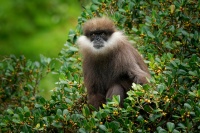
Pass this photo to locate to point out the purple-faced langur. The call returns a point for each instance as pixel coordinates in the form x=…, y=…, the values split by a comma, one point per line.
x=110, y=63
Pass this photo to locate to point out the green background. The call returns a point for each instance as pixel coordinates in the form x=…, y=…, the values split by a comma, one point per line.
x=32, y=28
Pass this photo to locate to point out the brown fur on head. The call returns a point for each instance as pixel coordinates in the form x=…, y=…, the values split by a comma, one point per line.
x=95, y=24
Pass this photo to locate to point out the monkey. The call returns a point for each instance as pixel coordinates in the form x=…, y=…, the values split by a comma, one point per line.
x=110, y=63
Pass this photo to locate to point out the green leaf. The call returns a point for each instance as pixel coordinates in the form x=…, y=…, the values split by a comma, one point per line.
x=67, y=89
x=57, y=124
x=148, y=19
x=186, y=105
x=175, y=131
x=25, y=129
x=38, y=105
x=103, y=127
x=16, y=121
x=169, y=80
x=65, y=112
x=161, y=130
x=10, y=67
x=172, y=28
x=174, y=64
x=67, y=100
x=20, y=109
x=192, y=94
x=73, y=49
x=196, y=35
x=161, y=88
x=42, y=100
x=71, y=36
x=150, y=34
x=170, y=126
x=26, y=109
x=184, y=32
x=94, y=7
x=181, y=125
x=10, y=111
x=116, y=99
x=37, y=64
x=172, y=8
x=139, y=93
x=114, y=124
x=181, y=72
x=122, y=10
x=3, y=124
x=153, y=117
x=193, y=73
x=140, y=118
x=85, y=111
x=82, y=130
x=198, y=93
x=134, y=29
x=59, y=112
x=96, y=2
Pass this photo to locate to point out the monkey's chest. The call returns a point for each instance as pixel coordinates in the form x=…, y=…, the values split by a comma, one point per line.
x=102, y=77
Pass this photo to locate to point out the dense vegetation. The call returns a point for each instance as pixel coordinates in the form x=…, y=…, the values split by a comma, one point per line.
x=167, y=35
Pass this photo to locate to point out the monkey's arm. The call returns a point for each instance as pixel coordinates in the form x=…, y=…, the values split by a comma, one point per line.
x=137, y=70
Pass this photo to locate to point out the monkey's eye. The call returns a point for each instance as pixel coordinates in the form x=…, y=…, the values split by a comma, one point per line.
x=92, y=34
x=103, y=34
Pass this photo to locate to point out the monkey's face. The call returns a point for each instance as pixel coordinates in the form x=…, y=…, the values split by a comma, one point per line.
x=99, y=42
x=99, y=38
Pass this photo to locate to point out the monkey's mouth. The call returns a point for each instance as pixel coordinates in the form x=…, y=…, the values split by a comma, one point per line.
x=98, y=44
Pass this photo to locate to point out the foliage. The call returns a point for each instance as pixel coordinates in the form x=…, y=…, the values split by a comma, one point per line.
x=166, y=33
x=20, y=79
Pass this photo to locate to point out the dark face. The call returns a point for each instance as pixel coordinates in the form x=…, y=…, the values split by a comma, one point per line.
x=99, y=37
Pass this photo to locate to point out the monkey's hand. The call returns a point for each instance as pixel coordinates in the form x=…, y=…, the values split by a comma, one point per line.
x=139, y=78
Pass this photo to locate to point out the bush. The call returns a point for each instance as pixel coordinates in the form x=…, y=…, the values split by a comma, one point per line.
x=167, y=35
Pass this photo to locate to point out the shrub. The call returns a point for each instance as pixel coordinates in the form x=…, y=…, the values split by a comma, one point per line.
x=167, y=35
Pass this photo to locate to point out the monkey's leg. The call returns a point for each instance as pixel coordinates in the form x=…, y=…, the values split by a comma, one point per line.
x=116, y=90
x=96, y=100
